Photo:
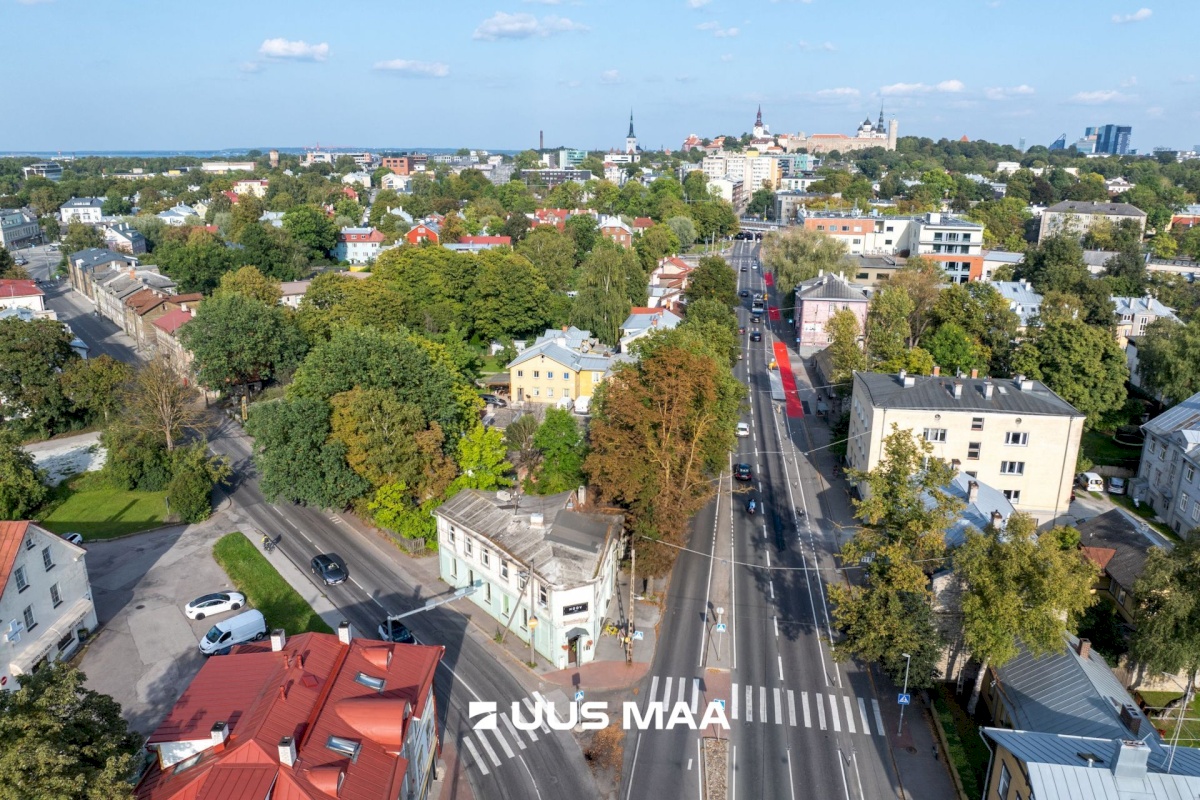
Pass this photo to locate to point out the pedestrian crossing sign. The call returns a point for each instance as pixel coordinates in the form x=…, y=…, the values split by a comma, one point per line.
x=720, y=627
x=903, y=699
x=638, y=636
x=579, y=696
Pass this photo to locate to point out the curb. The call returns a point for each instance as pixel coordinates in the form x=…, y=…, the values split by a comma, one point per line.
x=945, y=745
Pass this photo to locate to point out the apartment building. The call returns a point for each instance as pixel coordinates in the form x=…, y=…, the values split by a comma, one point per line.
x=18, y=228
x=46, y=607
x=559, y=365
x=956, y=244
x=818, y=299
x=1077, y=217
x=44, y=169
x=87, y=210
x=1014, y=435
x=1167, y=473
x=358, y=245
x=1135, y=313
x=548, y=566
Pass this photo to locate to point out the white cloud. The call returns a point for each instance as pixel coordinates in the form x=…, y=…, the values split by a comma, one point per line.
x=1098, y=97
x=841, y=91
x=414, y=69
x=950, y=86
x=1140, y=15
x=295, y=51
x=1004, y=93
x=717, y=30
x=828, y=47
x=610, y=76
x=523, y=26
x=698, y=3
x=904, y=89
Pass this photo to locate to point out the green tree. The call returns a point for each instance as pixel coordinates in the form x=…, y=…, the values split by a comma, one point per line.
x=1169, y=358
x=563, y=450
x=1080, y=362
x=94, y=384
x=116, y=204
x=309, y=226
x=510, y=297
x=553, y=255
x=195, y=258
x=1019, y=589
x=713, y=278
x=718, y=324
x=251, y=284
x=845, y=350
x=294, y=457
x=80, y=237
x=519, y=439
x=60, y=740
x=888, y=329
x=980, y=310
x=762, y=202
x=236, y=339
x=797, y=254
x=1056, y=264
x=158, y=403
x=9, y=271
x=685, y=231
x=21, y=489
x=194, y=474
x=1166, y=635
x=32, y=354
x=393, y=508
x=655, y=244
x=921, y=279
x=272, y=251
x=1004, y=222
x=953, y=349
x=482, y=461
x=605, y=287
x=584, y=232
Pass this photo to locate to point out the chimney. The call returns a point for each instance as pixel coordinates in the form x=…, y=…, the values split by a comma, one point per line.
x=936, y=370
x=974, y=374
x=1084, y=648
x=287, y=751
x=1130, y=758
x=278, y=639
x=345, y=632
x=581, y=493
x=537, y=520
x=972, y=492
x=958, y=390
x=997, y=520
x=219, y=733
x=1024, y=384
x=988, y=388
x=935, y=218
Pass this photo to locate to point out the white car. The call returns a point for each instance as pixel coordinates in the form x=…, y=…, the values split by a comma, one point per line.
x=743, y=429
x=216, y=603
x=73, y=537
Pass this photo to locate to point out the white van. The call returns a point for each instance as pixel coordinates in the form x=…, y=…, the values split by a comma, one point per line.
x=583, y=404
x=245, y=627
x=1090, y=482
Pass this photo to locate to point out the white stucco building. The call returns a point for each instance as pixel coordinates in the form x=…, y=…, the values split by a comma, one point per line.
x=82, y=209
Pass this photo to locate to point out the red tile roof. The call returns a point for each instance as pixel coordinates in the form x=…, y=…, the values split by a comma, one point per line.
x=143, y=301
x=307, y=691
x=504, y=240
x=1099, y=555
x=642, y=222
x=192, y=297
x=173, y=320
x=11, y=536
x=233, y=196
x=14, y=288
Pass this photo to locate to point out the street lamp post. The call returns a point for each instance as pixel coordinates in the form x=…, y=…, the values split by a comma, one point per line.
x=907, y=662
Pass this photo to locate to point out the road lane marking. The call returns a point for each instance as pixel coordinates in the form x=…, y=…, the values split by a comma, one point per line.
x=849, y=715
x=768, y=552
x=804, y=706
x=791, y=782
x=508, y=751
x=775, y=619
x=771, y=585
x=533, y=713
x=513, y=731
x=475, y=755
x=820, y=698
x=637, y=749
x=733, y=696
x=780, y=667
x=862, y=710
x=653, y=689
x=695, y=696
x=778, y=708
x=667, y=691
x=833, y=712
x=878, y=716
x=762, y=701
x=749, y=704
x=487, y=748
x=679, y=699
x=791, y=708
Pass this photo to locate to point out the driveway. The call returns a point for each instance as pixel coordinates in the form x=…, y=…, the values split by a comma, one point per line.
x=145, y=651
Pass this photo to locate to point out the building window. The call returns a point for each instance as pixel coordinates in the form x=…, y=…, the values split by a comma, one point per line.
x=566, y=376
x=550, y=392
x=467, y=546
x=347, y=747
x=937, y=237
x=1190, y=472
x=1184, y=501
x=1003, y=784
x=1012, y=467
x=537, y=392
x=453, y=567
x=520, y=373
x=47, y=559
x=29, y=543
x=450, y=536
x=973, y=451
x=1012, y=495
x=65, y=642
x=971, y=474
x=550, y=375
x=503, y=569
x=1196, y=511
x=55, y=597
x=966, y=237
x=22, y=581
x=542, y=595
x=30, y=622
x=524, y=618
x=485, y=557
x=1018, y=438
x=935, y=434
x=537, y=373
x=487, y=593
x=976, y=423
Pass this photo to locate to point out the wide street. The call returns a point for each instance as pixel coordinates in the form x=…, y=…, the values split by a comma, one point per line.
x=799, y=722
x=542, y=764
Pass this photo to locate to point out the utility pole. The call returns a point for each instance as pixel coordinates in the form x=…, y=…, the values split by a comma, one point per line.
x=1187, y=699
x=533, y=620
x=907, y=662
x=629, y=626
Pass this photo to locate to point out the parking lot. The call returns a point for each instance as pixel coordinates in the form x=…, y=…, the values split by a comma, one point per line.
x=145, y=651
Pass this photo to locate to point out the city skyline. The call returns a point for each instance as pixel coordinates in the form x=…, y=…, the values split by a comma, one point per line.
x=494, y=76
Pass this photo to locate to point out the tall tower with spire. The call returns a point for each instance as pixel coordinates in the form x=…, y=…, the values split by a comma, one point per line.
x=760, y=130
x=631, y=139
x=879, y=127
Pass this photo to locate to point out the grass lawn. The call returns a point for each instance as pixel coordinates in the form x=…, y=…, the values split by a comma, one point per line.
x=1101, y=449
x=491, y=365
x=1189, y=734
x=91, y=507
x=264, y=587
x=968, y=753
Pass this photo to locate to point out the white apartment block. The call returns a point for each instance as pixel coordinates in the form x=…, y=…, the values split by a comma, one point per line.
x=46, y=605
x=546, y=567
x=82, y=209
x=957, y=244
x=1014, y=435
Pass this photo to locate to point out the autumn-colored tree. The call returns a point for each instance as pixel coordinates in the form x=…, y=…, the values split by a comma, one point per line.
x=161, y=404
x=921, y=279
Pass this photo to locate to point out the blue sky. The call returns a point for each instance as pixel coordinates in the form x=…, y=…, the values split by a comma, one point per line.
x=149, y=74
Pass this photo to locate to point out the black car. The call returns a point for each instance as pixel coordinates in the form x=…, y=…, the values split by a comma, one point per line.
x=399, y=634
x=495, y=400
x=744, y=293
x=743, y=268
x=756, y=336
x=742, y=472
x=757, y=318
x=330, y=568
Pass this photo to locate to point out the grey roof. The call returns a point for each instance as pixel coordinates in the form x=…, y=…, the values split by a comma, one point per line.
x=84, y=202
x=1098, y=258
x=1021, y=298
x=566, y=550
x=659, y=318
x=877, y=262
x=1114, y=531
x=1081, y=207
x=1146, y=305
x=977, y=515
x=936, y=394
x=1064, y=693
x=830, y=286
x=1181, y=416
x=572, y=348
x=1005, y=256
x=127, y=231
x=95, y=257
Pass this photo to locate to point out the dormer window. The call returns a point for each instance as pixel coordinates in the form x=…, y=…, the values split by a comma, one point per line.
x=347, y=747
x=370, y=681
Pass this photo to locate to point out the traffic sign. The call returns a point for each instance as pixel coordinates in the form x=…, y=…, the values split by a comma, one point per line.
x=638, y=636
x=720, y=627
x=579, y=696
x=902, y=699
x=721, y=702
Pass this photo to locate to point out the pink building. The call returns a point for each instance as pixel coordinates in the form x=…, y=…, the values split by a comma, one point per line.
x=818, y=299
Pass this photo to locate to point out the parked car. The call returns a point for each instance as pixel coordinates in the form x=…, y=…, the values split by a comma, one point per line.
x=495, y=400
x=73, y=537
x=245, y=627
x=216, y=603
x=1090, y=482
x=756, y=336
x=1117, y=485
x=330, y=569
x=399, y=634
x=742, y=472
x=743, y=429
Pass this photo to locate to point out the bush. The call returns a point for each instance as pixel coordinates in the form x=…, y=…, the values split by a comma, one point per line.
x=195, y=475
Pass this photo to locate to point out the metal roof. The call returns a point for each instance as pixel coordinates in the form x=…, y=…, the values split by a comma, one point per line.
x=1185, y=415
x=1082, y=207
x=830, y=286
x=936, y=393
x=1114, y=531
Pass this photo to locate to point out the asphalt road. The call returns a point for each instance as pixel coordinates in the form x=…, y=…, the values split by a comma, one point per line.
x=102, y=336
x=801, y=725
x=552, y=766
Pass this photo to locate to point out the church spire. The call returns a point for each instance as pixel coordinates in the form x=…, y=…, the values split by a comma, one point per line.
x=879, y=127
x=758, y=119
x=630, y=124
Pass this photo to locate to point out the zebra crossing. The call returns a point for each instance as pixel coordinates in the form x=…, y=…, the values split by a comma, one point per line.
x=777, y=706
x=504, y=736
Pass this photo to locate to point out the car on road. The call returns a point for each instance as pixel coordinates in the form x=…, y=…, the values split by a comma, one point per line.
x=495, y=400
x=756, y=336
x=73, y=537
x=399, y=634
x=743, y=267
x=756, y=265
x=742, y=330
x=742, y=472
x=743, y=293
x=216, y=603
x=743, y=429
x=330, y=568
x=757, y=318
x=1090, y=482
x=20, y=261
x=1117, y=485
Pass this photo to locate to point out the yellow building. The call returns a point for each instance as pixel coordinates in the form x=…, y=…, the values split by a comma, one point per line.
x=1014, y=435
x=560, y=364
